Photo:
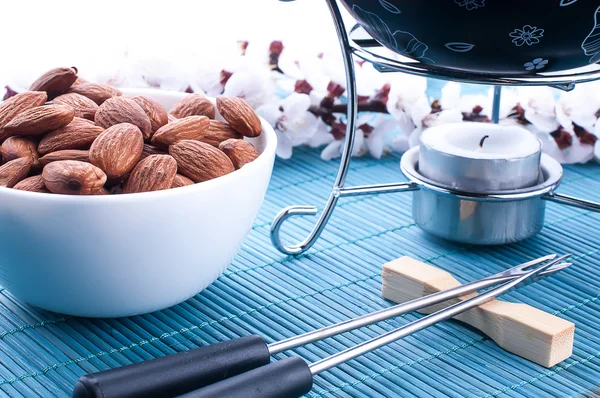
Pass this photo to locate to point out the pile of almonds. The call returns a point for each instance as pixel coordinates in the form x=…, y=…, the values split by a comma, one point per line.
x=69, y=136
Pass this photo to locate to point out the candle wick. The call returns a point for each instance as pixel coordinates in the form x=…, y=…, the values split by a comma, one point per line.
x=483, y=140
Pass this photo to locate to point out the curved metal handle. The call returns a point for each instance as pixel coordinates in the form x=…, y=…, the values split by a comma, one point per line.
x=572, y=201
x=327, y=211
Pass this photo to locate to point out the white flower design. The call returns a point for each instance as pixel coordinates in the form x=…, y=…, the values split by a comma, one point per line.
x=293, y=123
x=529, y=34
x=470, y=4
x=538, y=63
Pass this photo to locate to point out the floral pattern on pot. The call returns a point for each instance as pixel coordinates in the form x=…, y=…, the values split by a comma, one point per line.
x=470, y=4
x=538, y=63
x=529, y=35
x=389, y=6
x=403, y=42
x=486, y=36
x=591, y=44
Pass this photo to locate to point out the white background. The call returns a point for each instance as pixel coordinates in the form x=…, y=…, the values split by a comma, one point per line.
x=94, y=35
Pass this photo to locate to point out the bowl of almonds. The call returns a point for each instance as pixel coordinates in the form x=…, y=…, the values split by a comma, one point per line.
x=122, y=202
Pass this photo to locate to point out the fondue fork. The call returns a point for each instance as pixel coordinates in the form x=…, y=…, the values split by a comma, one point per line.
x=293, y=376
x=186, y=371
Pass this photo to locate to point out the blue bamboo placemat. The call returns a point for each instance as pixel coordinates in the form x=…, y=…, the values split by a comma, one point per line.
x=276, y=296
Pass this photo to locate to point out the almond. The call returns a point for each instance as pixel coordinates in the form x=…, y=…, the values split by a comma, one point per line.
x=193, y=105
x=154, y=110
x=117, y=150
x=199, y=161
x=32, y=184
x=40, y=120
x=154, y=173
x=151, y=150
x=13, y=106
x=123, y=110
x=96, y=92
x=71, y=177
x=83, y=106
x=17, y=104
x=79, y=134
x=55, y=82
x=239, y=115
x=14, y=171
x=239, y=151
x=181, y=181
x=188, y=128
x=219, y=132
x=67, y=154
x=19, y=147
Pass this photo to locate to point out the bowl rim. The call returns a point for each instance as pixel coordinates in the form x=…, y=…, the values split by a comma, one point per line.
x=255, y=166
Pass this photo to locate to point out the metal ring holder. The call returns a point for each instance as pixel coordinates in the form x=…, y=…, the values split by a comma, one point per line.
x=358, y=43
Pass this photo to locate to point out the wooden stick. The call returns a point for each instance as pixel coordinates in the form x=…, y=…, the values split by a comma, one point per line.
x=518, y=328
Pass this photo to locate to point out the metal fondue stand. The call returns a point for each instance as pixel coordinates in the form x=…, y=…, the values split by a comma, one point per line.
x=357, y=42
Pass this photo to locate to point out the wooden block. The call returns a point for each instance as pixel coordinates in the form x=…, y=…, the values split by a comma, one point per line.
x=518, y=328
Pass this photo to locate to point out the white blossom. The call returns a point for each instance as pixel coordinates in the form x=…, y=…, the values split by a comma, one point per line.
x=255, y=85
x=407, y=101
x=539, y=106
x=293, y=123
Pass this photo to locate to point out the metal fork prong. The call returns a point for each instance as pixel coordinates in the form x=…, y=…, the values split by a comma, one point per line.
x=519, y=269
x=533, y=263
x=555, y=268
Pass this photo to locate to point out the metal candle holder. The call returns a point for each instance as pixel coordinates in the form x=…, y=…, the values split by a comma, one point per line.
x=358, y=43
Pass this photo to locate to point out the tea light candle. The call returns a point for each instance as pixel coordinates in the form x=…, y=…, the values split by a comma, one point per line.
x=480, y=157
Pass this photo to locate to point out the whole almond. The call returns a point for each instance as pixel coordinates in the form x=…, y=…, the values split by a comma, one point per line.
x=17, y=104
x=219, y=132
x=96, y=92
x=117, y=150
x=181, y=181
x=151, y=150
x=71, y=177
x=84, y=107
x=14, y=171
x=40, y=120
x=123, y=110
x=67, y=154
x=79, y=134
x=239, y=115
x=19, y=147
x=199, y=161
x=32, y=184
x=193, y=105
x=239, y=151
x=188, y=128
x=55, y=82
x=154, y=173
x=154, y=110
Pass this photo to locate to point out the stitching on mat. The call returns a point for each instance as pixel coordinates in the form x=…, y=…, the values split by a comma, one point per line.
x=453, y=349
x=244, y=313
x=393, y=368
x=541, y=375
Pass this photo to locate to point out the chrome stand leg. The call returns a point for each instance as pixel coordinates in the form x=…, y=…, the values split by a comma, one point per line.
x=346, y=152
x=338, y=189
x=496, y=105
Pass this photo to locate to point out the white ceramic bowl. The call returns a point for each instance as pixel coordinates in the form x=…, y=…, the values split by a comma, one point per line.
x=121, y=255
